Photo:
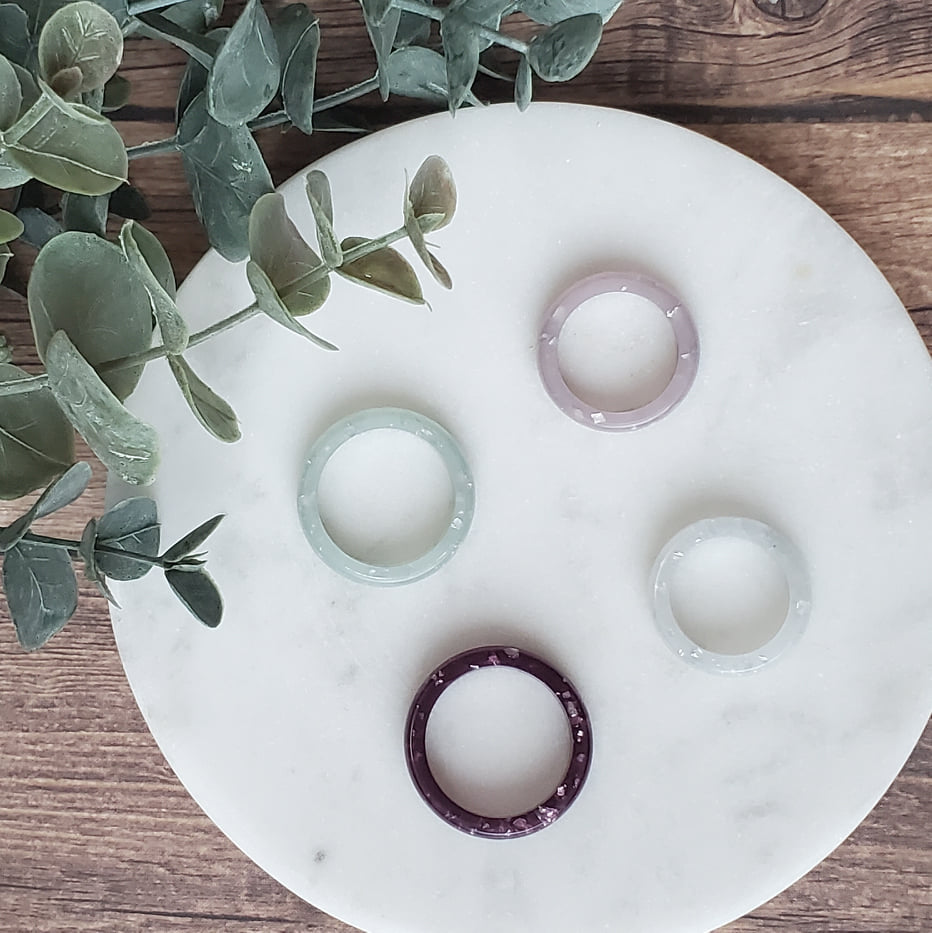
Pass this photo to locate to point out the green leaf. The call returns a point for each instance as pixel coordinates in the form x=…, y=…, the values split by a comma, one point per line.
x=416, y=234
x=85, y=213
x=123, y=443
x=323, y=218
x=41, y=591
x=433, y=194
x=486, y=13
x=192, y=540
x=299, y=68
x=318, y=187
x=148, y=260
x=285, y=257
x=36, y=440
x=382, y=35
x=11, y=227
x=195, y=15
x=226, y=174
x=201, y=48
x=14, y=34
x=523, y=84
x=28, y=86
x=461, y=51
x=549, y=12
x=67, y=146
x=5, y=256
x=211, y=410
x=91, y=569
x=270, y=303
x=131, y=525
x=198, y=593
x=11, y=94
x=246, y=71
x=129, y=202
x=38, y=227
x=6, y=351
x=385, y=270
x=117, y=93
x=85, y=36
x=413, y=29
x=84, y=286
x=376, y=11
x=562, y=51
x=422, y=74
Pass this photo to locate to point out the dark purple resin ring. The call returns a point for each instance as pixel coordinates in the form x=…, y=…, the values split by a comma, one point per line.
x=684, y=331
x=509, y=827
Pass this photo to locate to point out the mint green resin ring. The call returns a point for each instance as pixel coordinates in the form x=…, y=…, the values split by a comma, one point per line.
x=464, y=496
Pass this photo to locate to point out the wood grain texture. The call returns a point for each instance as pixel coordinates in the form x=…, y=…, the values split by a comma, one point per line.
x=97, y=835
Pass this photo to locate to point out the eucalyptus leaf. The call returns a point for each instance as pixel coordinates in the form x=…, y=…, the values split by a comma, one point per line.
x=36, y=440
x=84, y=286
x=461, y=51
x=117, y=92
x=246, y=71
x=61, y=492
x=486, y=13
x=38, y=227
x=195, y=15
x=85, y=213
x=93, y=100
x=384, y=270
x=271, y=303
x=422, y=74
x=323, y=218
x=318, y=187
x=5, y=256
x=130, y=203
x=562, y=51
x=277, y=247
x=413, y=29
x=41, y=591
x=67, y=146
x=85, y=36
x=199, y=594
x=433, y=194
x=28, y=86
x=11, y=227
x=549, y=12
x=14, y=34
x=192, y=540
x=123, y=443
x=299, y=73
x=382, y=35
x=6, y=351
x=524, y=83
x=201, y=48
x=226, y=174
x=134, y=239
x=194, y=78
x=11, y=94
x=213, y=412
x=86, y=550
x=376, y=10
x=131, y=525
x=416, y=236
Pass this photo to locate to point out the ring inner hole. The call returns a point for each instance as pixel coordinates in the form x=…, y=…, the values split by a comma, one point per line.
x=617, y=351
x=498, y=742
x=385, y=497
x=729, y=595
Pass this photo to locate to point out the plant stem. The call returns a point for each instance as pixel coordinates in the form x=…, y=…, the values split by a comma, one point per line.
x=438, y=14
x=21, y=386
x=73, y=548
x=322, y=271
x=277, y=118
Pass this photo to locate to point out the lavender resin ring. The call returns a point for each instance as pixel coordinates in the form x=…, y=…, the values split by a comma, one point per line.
x=543, y=814
x=464, y=496
x=684, y=331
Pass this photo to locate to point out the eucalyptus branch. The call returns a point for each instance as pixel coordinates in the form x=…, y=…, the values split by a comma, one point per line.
x=276, y=118
x=73, y=548
x=438, y=14
x=322, y=271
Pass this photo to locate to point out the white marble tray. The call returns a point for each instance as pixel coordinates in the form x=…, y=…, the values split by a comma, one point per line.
x=812, y=411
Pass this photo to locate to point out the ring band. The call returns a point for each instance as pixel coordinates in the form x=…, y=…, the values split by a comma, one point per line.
x=545, y=813
x=684, y=332
x=464, y=498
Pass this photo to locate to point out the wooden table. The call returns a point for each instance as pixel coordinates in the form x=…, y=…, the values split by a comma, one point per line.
x=96, y=833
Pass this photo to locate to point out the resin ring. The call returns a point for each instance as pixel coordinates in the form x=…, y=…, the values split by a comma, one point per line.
x=684, y=331
x=787, y=557
x=543, y=814
x=464, y=496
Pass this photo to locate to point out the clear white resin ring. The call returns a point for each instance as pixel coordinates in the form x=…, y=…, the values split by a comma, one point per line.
x=780, y=634
x=684, y=332
x=399, y=419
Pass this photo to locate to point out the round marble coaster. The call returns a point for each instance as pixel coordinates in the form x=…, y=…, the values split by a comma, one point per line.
x=811, y=412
